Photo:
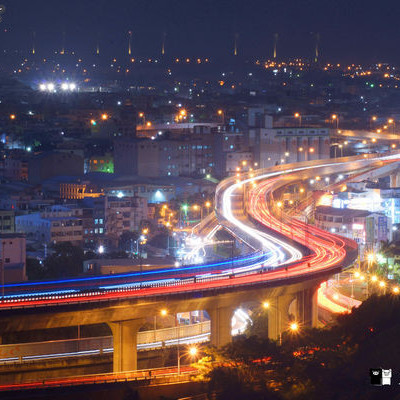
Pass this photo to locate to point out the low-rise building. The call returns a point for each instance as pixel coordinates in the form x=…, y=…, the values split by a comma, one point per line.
x=54, y=225
x=13, y=257
x=94, y=222
x=367, y=228
x=7, y=221
x=123, y=214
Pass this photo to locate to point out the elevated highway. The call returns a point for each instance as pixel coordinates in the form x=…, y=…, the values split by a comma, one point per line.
x=288, y=262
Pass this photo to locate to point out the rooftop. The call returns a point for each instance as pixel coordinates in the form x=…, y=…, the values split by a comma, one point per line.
x=342, y=212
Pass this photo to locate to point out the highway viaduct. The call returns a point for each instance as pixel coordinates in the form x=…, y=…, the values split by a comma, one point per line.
x=290, y=293
x=126, y=316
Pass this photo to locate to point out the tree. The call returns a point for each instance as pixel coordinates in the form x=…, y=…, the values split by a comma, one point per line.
x=127, y=241
x=34, y=270
x=67, y=260
x=330, y=363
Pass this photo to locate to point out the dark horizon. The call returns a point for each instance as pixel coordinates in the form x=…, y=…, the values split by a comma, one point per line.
x=358, y=32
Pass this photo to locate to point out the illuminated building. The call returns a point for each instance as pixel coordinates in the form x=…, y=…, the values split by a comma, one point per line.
x=100, y=164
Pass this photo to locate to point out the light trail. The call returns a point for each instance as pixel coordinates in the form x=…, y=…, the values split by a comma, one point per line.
x=328, y=251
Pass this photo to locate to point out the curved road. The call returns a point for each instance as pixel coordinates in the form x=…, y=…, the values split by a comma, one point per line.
x=282, y=245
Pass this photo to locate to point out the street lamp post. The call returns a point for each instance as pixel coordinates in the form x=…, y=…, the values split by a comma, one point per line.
x=143, y=117
x=3, y=248
x=192, y=353
x=280, y=207
x=392, y=122
x=335, y=118
x=335, y=147
x=293, y=326
x=373, y=119
x=298, y=115
x=222, y=115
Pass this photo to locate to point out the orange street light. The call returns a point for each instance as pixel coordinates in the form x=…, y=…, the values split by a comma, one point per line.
x=163, y=312
x=13, y=116
x=265, y=304
x=294, y=326
x=193, y=351
x=298, y=115
x=335, y=117
x=104, y=116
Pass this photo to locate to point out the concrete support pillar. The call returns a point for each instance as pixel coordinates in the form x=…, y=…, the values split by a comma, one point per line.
x=125, y=344
x=221, y=325
x=395, y=180
x=278, y=316
x=307, y=307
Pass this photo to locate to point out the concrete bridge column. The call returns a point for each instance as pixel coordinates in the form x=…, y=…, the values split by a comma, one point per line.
x=307, y=307
x=125, y=344
x=278, y=316
x=221, y=325
x=395, y=180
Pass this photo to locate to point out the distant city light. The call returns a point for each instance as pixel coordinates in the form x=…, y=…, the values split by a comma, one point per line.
x=100, y=249
x=52, y=87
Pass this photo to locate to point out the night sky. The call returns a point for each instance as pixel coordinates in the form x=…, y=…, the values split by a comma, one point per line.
x=350, y=30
